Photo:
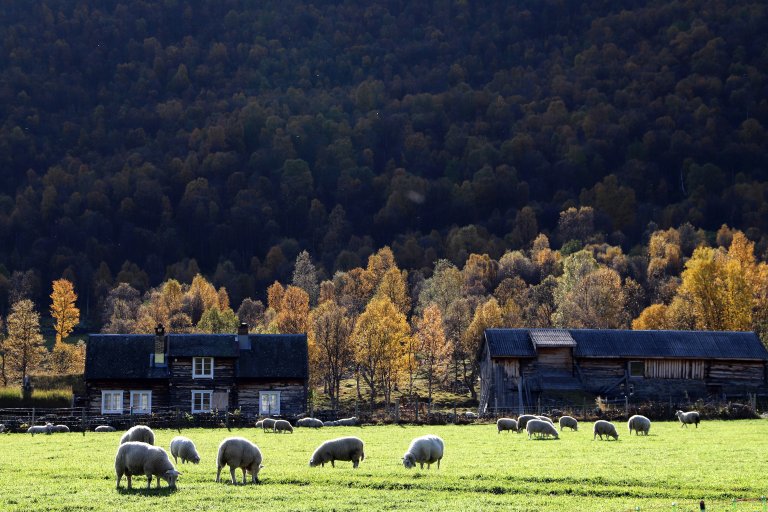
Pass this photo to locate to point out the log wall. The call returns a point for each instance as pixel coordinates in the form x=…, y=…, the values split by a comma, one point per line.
x=182, y=383
x=293, y=395
x=160, y=397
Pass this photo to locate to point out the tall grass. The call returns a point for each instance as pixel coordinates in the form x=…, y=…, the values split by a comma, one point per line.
x=12, y=397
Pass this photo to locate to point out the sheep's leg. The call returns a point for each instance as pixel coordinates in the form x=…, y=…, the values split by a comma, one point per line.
x=232, y=475
x=333, y=464
x=438, y=463
x=218, y=474
x=149, y=482
x=245, y=476
x=128, y=476
x=119, y=477
x=355, y=463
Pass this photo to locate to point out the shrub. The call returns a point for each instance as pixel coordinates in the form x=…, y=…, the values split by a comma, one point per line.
x=49, y=398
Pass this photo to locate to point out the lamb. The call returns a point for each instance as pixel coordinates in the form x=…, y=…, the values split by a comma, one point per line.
x=342, y=448
x=138, y=458
x=424, y=450
x=523, y=420
x=309, y=422
x=687, y=418
x=40, y=429
x=139, y=433
x=541, y=428
x=61, y=429
x=570, y=422
x=545, y=418
x=506, y=424
x=184, y=447
x=348, y=422
x=237, y=452
x=639, y=424
x=283, y=426
x=605, y=428
x=104, y=428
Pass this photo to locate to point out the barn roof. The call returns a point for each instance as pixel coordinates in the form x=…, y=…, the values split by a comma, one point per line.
x=274, y=356
x=203, y=345
x=121, y=356
x=606, y=343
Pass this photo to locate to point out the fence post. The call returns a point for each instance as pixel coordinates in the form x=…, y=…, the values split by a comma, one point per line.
x=417, y=409
x=178, y=422
x=397, y=411
x=454, y=413
x=702, y=506
x=82, y=421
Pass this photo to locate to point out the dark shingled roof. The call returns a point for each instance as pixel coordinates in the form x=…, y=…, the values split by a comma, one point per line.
x=668, y=344
x=121, y=356
x=274, y=356
x=509, y=343
x=203, y=345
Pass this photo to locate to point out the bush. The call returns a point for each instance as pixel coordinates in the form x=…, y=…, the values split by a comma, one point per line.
x=49, y=398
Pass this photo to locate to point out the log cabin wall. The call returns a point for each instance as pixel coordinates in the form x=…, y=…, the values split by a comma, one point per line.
x=293, y=395
x=182, y=383
x=555, y=358
x=159, y=389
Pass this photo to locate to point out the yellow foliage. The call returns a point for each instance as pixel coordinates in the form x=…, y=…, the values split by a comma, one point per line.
x=654, y=318
x=63, y=309
x=293, y=314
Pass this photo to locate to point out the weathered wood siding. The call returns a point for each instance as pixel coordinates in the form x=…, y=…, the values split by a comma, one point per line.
x=674, y=369
x=598, y=373
x=293, y=395
x=736, y=374
x=160, y=398
x=556, y=358
x=182, y=383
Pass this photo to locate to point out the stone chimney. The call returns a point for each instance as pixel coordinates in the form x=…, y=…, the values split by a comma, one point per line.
x=242, y=336
x=160, y=346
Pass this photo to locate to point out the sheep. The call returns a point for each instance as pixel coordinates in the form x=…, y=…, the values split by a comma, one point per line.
x=40, y=429
x=506, y=424
x=104, y=428
x=331, y=423
x=310, y=422
x=237, y=452
x=348, y=422
x=138, y=458
x=283, y=426
x=523, y=419
x=424, y=450
x=259, y=424
x=541, y=428
x=639, y=424
x=61, y=429
x=605, y=428
x=268, y=424
x=687, y=418
x=570, y=422
x=184, y=447
x=2, y=428
x=342, y=448
x=545, y=418
x=139, y=433
x=470, y=415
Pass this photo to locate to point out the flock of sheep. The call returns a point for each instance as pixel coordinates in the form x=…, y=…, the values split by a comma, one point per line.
x=542, y=426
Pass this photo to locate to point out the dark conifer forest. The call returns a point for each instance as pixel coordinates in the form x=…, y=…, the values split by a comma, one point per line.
x=142, y=141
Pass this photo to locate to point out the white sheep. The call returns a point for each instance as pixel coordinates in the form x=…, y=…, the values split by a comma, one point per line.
x=424, y=450
x=686, y=418
x=139, y=433
x=639, y=424
x=604, y=428
x=470, y=415
x=259, y=424
x=61, y=429
x=40, y=429
x=237, y=452
x=568, y=421
x=283, y=426
x=310, y=423
x=268, y=424
x=506, y=424
x=184, y=447
x=331, y=423
x=137, y=458
x=2, y=428
x=348, y=422
x=523, y=420
x=545, y=418
x=342, y=448
x=541, y=428
x=104, y=428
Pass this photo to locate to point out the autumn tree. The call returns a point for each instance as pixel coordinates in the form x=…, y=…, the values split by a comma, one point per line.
x=67, y=358
x=24, y=346
x=330, y=348
x=217, y=321
x=200, y=297
x=394, y=286
x=121, y=309
x=487, y=316
x=63, y=309
x=252, y=313
x=434, y=349
x=443, y=288
x=3, y=374
x=305, y=276
x=293, y=314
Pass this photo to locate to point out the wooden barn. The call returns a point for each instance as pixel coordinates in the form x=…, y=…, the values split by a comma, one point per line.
x=518, y=365
x=260, y=374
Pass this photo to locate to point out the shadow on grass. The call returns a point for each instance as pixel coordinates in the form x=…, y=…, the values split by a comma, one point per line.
x=143, y=491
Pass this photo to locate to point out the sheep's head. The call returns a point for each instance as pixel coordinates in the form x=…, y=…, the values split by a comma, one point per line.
x=195, y=459
x=313, y=462
x=409, y=460
x=170, y=476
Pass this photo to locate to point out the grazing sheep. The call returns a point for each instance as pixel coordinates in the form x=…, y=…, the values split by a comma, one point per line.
x=259, y=424
x=639, y=424
x=342, y=448
x=348, y=422
x=506, y=424
x=283, y=426
x=63, y=429
x=268, y=424
x=139, y=433
x=541, y=428
x=605, y=428
x=545, y=418
x=184, y=447
x=570, y=422
x=40, y=429
x=331, y=423
x=2, y=428
x=309, y=422
x=686, y=418
x=424, y=450
x=523, y=420
x=137, y=458
x=237, y=452
x=104, y=428
x=470, y=415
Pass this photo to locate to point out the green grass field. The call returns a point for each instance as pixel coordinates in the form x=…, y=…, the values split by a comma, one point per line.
x=482, y=470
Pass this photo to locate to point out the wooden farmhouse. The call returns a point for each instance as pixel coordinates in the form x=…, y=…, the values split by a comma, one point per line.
x=260, y=374
x=519, y=365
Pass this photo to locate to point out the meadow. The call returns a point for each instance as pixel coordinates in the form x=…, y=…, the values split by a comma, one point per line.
x=482, y=470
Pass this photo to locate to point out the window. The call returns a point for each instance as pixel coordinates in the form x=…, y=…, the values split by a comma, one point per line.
x=269, y=402
x=111, y=402
x=201, y=401
x=637, y=368
x=202, y=367
x=141, y=402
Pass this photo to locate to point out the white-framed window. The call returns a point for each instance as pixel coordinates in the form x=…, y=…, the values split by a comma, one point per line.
x=637, y=369
x=202, y=367
x=201, y=400
x=269, y=402
x=112, y=401
x=141, y=402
